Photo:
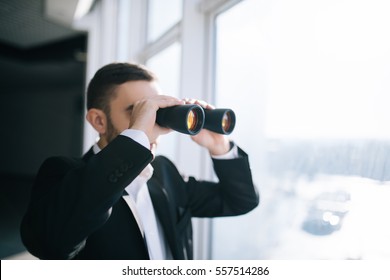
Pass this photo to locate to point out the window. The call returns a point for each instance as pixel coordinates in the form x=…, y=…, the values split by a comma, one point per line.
x=308, y=81
x=162, y=16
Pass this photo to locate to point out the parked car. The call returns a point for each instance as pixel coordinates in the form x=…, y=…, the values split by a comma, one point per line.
x=326, y=213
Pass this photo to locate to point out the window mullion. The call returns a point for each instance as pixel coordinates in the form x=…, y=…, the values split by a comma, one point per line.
x=168, y=38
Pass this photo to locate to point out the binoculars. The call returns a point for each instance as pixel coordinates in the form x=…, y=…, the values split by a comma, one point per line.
x=191, y=118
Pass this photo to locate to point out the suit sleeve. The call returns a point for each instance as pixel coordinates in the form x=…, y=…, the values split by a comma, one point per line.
x=71, y=199
x=234, y=194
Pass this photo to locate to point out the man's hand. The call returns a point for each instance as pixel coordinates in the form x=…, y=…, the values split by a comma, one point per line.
x=143, y=116
x=217, y=144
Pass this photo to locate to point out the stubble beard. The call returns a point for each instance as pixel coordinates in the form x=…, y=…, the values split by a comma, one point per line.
x=112, y=132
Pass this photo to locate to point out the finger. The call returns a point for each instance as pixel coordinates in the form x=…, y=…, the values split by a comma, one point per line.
x=201, y=103
x=164, y=101
x=189, y=100
x=204, y=104
x=169, y=103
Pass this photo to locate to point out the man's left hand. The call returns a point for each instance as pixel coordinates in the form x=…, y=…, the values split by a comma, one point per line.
x=216, y=143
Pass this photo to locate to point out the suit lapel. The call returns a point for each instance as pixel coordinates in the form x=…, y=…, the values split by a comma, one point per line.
x=164, y=212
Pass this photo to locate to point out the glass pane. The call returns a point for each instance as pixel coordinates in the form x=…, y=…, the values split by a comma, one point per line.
x=162, y=15
x=166, y=65
x=309, y=81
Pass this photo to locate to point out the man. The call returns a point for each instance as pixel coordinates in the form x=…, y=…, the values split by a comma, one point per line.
x=119, y=201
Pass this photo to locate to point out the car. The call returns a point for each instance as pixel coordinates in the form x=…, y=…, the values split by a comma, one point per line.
x=326, y=213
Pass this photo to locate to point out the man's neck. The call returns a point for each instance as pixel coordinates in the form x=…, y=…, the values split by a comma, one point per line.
x=102, y=143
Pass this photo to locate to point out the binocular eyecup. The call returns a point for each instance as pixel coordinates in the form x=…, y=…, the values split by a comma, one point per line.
x=191, y=118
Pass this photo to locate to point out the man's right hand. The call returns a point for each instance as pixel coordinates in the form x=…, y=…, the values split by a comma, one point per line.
x=143, y=116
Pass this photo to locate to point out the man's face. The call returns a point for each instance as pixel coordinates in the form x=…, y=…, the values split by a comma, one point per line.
x=121, y=106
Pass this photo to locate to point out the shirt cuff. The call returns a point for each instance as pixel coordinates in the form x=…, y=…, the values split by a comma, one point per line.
x=232, y=154
x=138, y=136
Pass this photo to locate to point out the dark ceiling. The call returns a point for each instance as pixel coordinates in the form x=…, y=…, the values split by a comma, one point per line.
x=34, y=49
x=23, y=25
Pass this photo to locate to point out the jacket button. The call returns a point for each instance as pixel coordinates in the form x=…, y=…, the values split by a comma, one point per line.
x=118, y=173
x=112, y=178
x=124, y=167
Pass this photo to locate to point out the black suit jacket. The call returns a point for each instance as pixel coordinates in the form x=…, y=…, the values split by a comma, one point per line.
x=77, y=211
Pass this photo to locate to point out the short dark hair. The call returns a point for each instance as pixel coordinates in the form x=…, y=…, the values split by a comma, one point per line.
x=101, y=88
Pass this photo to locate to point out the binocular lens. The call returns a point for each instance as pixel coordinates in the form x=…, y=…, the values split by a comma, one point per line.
x=192, y=120
x=226, y=122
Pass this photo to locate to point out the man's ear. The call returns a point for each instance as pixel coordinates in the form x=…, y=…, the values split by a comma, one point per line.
x=98, y=119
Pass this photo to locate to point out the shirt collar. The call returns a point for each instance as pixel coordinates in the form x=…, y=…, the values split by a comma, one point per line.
x=96, y=149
